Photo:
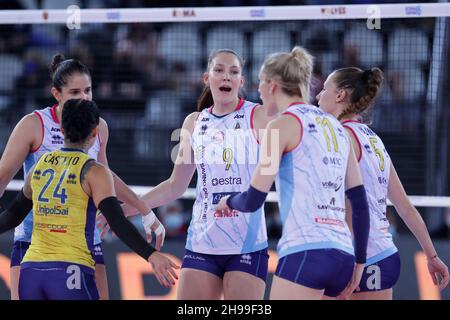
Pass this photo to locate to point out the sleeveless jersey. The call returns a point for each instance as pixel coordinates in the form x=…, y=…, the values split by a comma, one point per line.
x=375, y=165
x=64, y=215
x=52, y=140
x=226, y=154
x=311, y=185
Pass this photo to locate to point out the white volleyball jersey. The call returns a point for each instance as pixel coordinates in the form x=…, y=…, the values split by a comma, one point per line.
x=226, y=154
x=311, y=185
x=375, y=165
x=52, y=140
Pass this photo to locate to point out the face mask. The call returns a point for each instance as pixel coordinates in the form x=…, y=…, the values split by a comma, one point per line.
x=173, y=220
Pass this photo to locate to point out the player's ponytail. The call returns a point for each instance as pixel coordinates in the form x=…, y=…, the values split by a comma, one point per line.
x=61, y=69
x=363, y=86
x=291, y=70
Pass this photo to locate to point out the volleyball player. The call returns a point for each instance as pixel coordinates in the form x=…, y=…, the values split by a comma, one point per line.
x=39, y=132
x=64, y=189
x=226, y=254
x=309, y=153
x=348, y=94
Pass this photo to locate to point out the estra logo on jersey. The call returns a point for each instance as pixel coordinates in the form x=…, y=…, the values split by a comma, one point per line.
x=226, y=181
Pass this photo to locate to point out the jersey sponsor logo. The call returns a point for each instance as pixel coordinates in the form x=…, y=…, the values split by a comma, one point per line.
x=37, y=174
x=72, y=178
x=98, y=251
x=306, y=110
x=332, y=206
x=334, y=222
x=367, y=131
x=55, y=129
x=239, y=116
x=203, y=175
x=57, y=139
x=336, y=185
x=312, y=128
x=43, y=210
x=203, y=129
x=204, y=119
x=219, y=137
x=382, y=201
x=226, y=181
x=190, y=256
x=368, y=149
x=59, y=228
x=217, y=196
x=246, y=258
x=382, y=180
x=226, y=214
x=334, y=161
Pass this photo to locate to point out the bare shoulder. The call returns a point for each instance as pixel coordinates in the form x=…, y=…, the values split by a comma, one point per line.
x=189, y=122
x=92, y=168
x=286, y=122
x=29, y=131
x=351, y=135
x=31, y=121
x=192, y=117
x=103, y=131
x=103, y=125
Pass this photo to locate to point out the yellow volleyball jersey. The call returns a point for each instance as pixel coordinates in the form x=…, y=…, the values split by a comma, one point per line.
x=64, y=215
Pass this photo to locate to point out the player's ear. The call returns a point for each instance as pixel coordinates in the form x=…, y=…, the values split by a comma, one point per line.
x=341, y=95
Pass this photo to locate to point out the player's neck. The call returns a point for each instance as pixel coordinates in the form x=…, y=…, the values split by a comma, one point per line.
x=351, y=116
x=79, y=146
x=220, y=109
x=58, y=112
x=283, y=102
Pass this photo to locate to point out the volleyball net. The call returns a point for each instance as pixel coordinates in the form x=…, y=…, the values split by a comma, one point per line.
x=147, y=67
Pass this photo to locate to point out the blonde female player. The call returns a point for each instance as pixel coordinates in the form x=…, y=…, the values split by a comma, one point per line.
x=347, y=94
x=39, y=132
x=310, y=155
x=225, y=253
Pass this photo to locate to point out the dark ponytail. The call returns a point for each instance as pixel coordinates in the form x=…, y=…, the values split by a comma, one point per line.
x=61, y=69
x=205, y=100
x=79, y=118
